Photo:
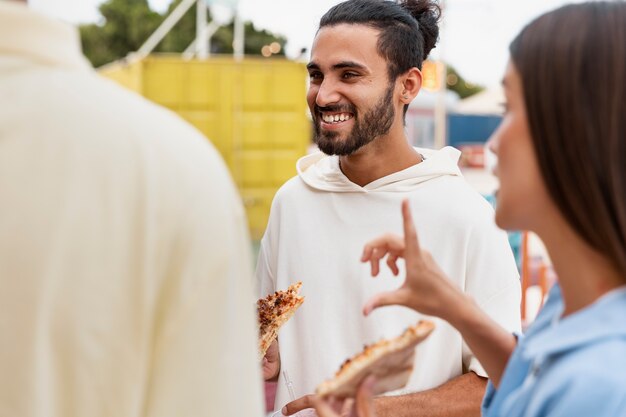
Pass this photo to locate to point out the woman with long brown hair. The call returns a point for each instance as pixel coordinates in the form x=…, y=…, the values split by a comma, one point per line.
x=561, y=151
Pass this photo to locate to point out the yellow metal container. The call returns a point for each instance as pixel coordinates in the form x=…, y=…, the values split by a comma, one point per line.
x=254, y=112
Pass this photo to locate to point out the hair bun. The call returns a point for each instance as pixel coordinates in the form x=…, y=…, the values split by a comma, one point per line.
x=427, y=13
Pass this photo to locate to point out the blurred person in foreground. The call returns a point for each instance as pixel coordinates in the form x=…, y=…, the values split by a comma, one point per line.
x=364, y=71
x=125, y=287
x=561, y=149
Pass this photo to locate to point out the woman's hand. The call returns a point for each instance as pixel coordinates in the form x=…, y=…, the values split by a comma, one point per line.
x=426, y=288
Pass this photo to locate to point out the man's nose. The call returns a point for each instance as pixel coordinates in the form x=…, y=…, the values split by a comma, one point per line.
x=327, y=94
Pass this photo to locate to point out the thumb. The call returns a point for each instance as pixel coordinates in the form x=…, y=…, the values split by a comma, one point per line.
x=364, y=398
x=380, y=300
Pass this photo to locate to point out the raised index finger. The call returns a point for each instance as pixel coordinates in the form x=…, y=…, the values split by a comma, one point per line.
x=410, y=235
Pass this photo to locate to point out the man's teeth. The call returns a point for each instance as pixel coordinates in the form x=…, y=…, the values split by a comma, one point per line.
x=335, y=118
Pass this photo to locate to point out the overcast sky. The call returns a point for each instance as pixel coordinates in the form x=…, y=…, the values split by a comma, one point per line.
x=474, y=39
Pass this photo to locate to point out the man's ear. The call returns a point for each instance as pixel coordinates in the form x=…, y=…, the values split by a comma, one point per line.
x=411, y=85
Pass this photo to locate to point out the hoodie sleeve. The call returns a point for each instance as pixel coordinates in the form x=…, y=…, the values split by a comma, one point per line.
x=265, y=275
x=264, y=270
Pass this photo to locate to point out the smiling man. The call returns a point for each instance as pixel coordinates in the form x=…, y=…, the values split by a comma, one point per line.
x=364, y=71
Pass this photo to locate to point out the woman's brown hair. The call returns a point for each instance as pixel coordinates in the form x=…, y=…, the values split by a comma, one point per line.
x=572, y=63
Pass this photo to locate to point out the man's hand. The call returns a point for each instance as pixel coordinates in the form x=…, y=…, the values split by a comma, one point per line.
x=332, y=407
x=299, y=404
x=271, y=362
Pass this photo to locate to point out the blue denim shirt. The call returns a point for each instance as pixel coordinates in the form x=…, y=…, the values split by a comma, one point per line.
x=570, y=367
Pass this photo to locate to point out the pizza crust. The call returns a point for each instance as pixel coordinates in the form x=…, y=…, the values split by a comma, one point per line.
x=390, y=361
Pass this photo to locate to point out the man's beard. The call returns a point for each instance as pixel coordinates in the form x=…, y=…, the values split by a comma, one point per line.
x=373, y=124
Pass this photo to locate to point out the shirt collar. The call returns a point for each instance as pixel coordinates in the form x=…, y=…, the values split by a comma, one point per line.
x=30, y=35
x=601, y=320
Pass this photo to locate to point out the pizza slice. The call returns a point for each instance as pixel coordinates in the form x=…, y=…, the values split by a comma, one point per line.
x=390, y=361
x=274, y=311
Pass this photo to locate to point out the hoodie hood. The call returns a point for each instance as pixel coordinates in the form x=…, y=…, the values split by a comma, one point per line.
x=322, y=172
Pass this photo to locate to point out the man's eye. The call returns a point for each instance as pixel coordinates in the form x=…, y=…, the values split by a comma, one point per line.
x=348, y=75
x=315, y=75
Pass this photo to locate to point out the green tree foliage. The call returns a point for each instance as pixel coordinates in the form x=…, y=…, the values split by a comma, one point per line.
x=126, y=24
x=255, y=40
x=456, y=83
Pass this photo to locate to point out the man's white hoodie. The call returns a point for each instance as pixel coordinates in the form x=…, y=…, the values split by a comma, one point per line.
x=318, y=225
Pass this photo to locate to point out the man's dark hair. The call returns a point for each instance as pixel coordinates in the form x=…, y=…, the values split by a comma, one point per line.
x=572, y=64
x=408, y=29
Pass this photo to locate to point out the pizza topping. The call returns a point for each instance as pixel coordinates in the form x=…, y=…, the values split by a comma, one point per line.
x=274, y=310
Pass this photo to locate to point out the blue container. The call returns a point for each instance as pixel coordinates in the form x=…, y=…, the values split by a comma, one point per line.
x=469, y=128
